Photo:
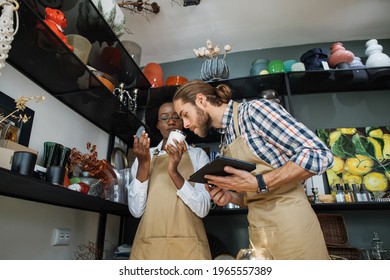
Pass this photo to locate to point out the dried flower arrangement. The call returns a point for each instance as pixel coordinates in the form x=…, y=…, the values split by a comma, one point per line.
x=21, y=104
x=211, y=51
x=89, y=162
x=91, y=251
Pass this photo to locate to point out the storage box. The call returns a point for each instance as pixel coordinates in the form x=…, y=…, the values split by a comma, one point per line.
x=16, y=146
x=6, y=158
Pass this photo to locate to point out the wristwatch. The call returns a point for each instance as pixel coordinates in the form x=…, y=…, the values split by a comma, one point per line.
x=261, y=186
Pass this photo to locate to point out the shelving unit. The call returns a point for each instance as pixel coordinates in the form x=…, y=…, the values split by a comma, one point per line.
x=45, y=59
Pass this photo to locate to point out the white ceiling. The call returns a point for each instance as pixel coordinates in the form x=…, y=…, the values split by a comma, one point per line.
x=172, y=34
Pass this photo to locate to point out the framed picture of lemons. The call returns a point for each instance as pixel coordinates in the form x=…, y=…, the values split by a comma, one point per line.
x=362, y=156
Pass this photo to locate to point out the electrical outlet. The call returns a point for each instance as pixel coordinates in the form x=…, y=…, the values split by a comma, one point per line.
x=61, y=237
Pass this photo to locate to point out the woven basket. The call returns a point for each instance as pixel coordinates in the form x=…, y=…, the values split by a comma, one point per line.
x=344, y=253
x=334, y=229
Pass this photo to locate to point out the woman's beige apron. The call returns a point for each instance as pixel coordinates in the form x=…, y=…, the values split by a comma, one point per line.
x=281, y=220
x=168, y=229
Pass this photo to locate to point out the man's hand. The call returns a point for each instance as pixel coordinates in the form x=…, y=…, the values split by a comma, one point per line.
x=239, y=180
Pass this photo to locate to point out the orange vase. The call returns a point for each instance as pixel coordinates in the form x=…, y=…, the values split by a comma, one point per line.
x=154, y=73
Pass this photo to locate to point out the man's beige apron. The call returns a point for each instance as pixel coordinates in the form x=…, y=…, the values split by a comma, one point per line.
x=168, y=229
x=281, y=220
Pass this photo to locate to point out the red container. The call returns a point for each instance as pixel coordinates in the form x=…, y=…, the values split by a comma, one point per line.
x=154, y=73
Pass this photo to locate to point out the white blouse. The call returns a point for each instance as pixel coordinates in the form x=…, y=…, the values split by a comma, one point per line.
x=196, y=198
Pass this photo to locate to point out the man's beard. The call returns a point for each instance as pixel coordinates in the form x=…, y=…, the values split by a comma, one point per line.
x=204, y=123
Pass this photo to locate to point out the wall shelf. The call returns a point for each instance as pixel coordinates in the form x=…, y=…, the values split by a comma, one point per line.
x=33, y=189
x=320, y=207
x=45, y=59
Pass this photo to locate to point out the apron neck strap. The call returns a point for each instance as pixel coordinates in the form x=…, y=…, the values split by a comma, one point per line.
x=235, y=119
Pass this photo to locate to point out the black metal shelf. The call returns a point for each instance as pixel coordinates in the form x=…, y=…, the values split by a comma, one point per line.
x=44, y=58
x=318, y=207
x=334, y=80
x=30, y=188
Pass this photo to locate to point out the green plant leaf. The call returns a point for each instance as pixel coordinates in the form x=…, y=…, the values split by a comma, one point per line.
x=323, y=134
x=362, y=145
x=343, y=147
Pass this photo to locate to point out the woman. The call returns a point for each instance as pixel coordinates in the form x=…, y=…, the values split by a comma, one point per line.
x=171, y=208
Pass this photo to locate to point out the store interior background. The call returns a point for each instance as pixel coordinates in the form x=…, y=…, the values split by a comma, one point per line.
x=27, y=226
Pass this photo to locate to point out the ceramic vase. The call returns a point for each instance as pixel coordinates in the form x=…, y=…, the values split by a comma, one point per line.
x=288, y=64
x=214, y=69
x=154, y=73
x=360, y=75
x=134, y=50
x=339, y=58
x=276, y=66
x=259, y=67
x=376, y=58
x=110, y=60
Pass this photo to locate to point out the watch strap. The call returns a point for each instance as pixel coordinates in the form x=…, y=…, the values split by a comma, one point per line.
x=261, y=186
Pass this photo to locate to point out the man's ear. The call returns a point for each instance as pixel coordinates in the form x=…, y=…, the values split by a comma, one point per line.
x=200, y=99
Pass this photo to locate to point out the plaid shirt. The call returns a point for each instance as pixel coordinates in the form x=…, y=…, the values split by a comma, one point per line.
x=276, y=137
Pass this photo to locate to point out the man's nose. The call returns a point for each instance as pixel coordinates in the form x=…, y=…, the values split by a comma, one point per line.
x=186, y=124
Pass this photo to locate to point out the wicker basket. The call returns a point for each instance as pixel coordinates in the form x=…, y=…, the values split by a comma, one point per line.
x=334, y=229
x=344, y=253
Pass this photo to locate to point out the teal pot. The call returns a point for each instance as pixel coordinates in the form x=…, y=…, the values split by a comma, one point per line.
x=258, y=66
x=214, y=69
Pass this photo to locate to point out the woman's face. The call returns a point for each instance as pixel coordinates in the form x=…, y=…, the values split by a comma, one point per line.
x=168, y=120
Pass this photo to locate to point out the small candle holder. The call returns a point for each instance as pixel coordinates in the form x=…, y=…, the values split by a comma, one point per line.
x=126, y=99
x=316, y=199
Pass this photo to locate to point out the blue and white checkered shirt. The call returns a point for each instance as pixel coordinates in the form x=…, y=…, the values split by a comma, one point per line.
x=276, y=137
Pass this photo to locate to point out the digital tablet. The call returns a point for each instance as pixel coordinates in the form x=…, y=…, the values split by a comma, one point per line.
x=216, y=168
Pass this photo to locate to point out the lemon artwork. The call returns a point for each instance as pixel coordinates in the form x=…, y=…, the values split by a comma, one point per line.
x=361, y=156
x=376, y=182
x=359, y=165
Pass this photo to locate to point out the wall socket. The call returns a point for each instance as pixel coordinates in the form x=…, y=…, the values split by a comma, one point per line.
x=61, y=237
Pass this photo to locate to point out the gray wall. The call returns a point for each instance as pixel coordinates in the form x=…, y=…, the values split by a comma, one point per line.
x=326, y=110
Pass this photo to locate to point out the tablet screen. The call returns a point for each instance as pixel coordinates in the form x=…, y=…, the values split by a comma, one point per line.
x=216, y=168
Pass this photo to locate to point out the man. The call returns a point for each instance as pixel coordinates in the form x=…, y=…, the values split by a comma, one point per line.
x=285, y=152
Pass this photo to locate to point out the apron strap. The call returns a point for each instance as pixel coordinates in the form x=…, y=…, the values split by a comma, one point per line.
x=235, y=118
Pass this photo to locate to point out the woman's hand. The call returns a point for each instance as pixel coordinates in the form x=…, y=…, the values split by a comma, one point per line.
x=141, y=148
x=175, y=154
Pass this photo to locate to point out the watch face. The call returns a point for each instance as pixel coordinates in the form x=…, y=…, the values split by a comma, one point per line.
x=264, y=190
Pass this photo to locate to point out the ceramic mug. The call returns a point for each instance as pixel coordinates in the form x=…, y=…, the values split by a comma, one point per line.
x=258, y=66
x=24, y=162
x=288, y=64
x=55, y=175
x=298, y=66
x=177, y=135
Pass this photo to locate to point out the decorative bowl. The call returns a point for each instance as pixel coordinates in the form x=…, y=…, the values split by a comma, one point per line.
x=175, y=80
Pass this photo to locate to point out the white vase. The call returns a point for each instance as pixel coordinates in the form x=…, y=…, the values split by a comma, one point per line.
x=376, y=58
